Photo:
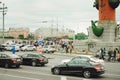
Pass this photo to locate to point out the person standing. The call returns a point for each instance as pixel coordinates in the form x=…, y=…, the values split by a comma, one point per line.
x=70, y=48
x=110, y=53
x=115, y=53
x=102, y=54
x=104, y=51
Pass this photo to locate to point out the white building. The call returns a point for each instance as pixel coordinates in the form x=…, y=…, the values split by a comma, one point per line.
x=53, y=32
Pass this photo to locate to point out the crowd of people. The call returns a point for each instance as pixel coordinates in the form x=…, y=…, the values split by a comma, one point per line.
x=66, y=47
x=112, y=54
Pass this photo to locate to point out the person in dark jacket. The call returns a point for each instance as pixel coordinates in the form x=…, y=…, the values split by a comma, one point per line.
x=114, y=54
x=110, y=53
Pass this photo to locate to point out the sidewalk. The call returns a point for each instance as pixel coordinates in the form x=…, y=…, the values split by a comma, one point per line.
x=56, y=53
x=72, y=54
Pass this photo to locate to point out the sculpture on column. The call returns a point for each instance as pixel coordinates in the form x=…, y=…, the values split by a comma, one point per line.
x=106, y=16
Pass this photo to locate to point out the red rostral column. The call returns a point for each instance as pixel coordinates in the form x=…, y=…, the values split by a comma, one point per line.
x=106, y=12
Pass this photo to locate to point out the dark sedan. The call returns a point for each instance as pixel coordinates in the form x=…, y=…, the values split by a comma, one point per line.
x=10, y=60
x=76, y=66
x=34, y=59
x=2, y=47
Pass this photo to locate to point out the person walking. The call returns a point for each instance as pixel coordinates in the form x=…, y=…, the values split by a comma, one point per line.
x=115, y=54
x=102, y=54
x=110, y=53
x=70, y=48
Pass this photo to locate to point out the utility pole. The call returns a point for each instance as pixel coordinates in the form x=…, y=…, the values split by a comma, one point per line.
x=3, y=10
x=52, y=27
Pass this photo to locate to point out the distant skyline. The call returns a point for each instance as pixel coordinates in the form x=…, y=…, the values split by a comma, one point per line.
x=73, y=14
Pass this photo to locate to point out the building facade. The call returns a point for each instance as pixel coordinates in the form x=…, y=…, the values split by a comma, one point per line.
x=15, y=32
x=53, y=32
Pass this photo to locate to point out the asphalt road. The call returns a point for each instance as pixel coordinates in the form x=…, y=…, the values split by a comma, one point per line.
x=44, y=73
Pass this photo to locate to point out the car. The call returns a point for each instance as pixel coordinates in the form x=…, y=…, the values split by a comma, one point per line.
x=9, y=48
x=34, y=59
x=48, y=49
x=90, y=58
x=81, y=67
x=10, y=60
x=2, y=47
x=28, y=48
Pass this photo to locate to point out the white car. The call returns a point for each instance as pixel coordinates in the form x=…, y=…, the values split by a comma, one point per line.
x=9, y=48
x=89, y=58
x=48, y=49
x=28, y=48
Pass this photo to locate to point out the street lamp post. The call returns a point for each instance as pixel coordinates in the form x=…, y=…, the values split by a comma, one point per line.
x=3, y=10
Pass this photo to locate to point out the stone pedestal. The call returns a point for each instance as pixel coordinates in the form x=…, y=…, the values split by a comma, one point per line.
x=108, y=34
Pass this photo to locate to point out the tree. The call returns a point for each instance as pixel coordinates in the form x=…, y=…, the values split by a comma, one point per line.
x=81, y=36
x=30, y=36
x=70, y=38
x=21, y=36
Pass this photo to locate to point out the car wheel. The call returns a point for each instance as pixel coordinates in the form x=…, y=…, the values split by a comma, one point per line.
x=56, y=71
x=17, y=66
x=42, y=64
x=6, y=65
x=33, y=63
x=87, y=74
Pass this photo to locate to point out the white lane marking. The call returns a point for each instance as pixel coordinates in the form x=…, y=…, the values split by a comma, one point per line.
x=86, y=79
x=20, y=77
x=63, y=78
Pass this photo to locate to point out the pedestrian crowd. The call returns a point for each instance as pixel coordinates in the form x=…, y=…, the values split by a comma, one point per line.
x=66, y=47
x=112, y=54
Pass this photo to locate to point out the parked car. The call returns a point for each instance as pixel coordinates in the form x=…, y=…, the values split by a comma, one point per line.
x=34, y=59
x=10, y=60
x=9, y=48
x=28, y=48
x=90, y=58
x=76, y=66
x=2, y=47
x=48, y=49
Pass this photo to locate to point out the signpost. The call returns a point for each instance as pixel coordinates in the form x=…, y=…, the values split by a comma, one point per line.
x=40, y=43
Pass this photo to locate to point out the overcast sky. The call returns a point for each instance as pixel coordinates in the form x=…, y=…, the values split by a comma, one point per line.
x=73, y=14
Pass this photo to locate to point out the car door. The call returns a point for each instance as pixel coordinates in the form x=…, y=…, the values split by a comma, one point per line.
x=30, y=47
x=31, y=58
x=26, y=59
x=3, y=59
x=75, y=66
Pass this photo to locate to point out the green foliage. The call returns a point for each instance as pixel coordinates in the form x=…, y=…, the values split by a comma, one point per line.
x=81, y=36
x=30, y=36
x=9, y=37
x=70, y=38
x=21, y=36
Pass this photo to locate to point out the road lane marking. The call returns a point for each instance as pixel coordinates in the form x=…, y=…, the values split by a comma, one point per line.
x=63, y=78
x=21, y=71
x=20, y=77
x=6, y=70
